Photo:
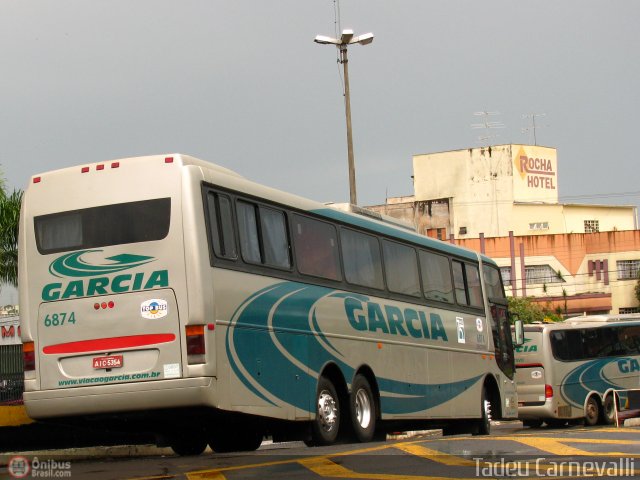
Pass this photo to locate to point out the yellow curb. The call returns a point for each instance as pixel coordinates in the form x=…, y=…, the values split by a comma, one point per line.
x=13, y=416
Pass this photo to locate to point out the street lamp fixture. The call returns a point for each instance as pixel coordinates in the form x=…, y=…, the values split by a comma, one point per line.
x=347, y=38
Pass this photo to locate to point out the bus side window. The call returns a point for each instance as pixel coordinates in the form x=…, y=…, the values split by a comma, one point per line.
x=436, y=277
x=493, y=281
x=316, y=248
x=458, y=281
x=274, y=237
x=221, y=225
x=630, y=339
x=248, y=228
x=263, y=235
x=473, y=282
x=361, y=257
x=401, y=268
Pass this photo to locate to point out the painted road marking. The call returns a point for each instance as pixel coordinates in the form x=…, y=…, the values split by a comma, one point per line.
x=328, y=469
x=435, y=455
x=325, y=467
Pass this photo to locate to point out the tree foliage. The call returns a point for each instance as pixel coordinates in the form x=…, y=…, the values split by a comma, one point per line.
x=9, y=220
x=529, y=311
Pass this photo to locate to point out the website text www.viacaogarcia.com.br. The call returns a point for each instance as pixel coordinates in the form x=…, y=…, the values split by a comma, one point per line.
x=109, y=378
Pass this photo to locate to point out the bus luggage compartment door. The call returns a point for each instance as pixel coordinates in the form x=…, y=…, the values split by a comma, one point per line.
x=110, y=339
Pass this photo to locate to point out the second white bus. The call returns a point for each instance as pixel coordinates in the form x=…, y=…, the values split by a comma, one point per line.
x=568, y=371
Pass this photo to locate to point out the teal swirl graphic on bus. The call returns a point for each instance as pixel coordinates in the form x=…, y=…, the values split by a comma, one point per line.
x=277, y=328
x=586, y=378
x=73, y=265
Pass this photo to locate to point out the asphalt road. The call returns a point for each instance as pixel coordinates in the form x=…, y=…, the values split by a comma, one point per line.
x=513, y=451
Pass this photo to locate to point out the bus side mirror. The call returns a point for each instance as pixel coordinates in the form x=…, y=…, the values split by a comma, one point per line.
x=519, y=333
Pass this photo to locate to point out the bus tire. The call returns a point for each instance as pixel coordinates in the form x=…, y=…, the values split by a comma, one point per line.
x=608, y=410
x=188, y=446
x=591, y=411
x=326, y=426
x=483, y=426
x=362, y=406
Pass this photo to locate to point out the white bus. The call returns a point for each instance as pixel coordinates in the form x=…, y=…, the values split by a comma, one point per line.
x=174, y=295
x=567, y=371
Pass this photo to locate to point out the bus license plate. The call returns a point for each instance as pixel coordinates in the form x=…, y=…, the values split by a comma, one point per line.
x=112, y=361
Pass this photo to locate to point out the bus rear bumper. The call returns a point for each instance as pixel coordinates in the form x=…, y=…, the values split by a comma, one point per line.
x=548, y=410
x=123, y=397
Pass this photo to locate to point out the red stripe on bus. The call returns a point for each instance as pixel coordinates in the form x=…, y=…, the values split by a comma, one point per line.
x=109, y=344
x=529, y=365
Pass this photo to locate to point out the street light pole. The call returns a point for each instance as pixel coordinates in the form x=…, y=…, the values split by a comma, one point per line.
x=346, y=39
x=353, y=196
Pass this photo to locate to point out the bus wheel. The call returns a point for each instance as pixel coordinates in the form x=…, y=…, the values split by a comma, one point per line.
x=188, y=446
x=484, y=424
x=608, y=411
x=325, y=427
x=362, y=409
x=591, y=411
x=238, y=441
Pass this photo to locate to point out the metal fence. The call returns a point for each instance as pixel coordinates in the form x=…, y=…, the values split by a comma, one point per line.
x=11, y=374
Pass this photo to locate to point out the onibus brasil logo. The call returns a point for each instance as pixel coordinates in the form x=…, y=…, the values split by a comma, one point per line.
x=92, y=276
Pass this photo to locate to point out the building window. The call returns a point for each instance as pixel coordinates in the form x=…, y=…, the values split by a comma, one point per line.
x=629, y=310
x=539, y=226
x=505, y=273
x=628, y=269
x=591, y=226
x=441, y=234
x=536, y=274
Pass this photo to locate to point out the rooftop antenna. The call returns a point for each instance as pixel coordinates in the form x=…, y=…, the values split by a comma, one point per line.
x=487, y=125
x=531, y=129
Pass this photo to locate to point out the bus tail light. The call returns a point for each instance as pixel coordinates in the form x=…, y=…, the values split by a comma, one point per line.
x=28, y=356
x=195, y=344
x=548, y=391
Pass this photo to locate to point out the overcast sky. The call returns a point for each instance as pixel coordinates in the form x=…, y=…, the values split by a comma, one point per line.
x=241, y=83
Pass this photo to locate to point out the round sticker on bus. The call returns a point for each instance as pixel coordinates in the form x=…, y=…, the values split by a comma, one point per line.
x=536, y=374
x=479, y=324
x=154, y=308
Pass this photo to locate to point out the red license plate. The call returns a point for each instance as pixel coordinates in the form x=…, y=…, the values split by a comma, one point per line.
x=112, y=361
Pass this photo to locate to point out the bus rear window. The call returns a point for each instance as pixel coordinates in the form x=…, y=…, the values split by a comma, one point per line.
x=116, y=224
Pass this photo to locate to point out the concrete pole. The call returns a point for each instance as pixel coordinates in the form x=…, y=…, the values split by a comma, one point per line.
x=353, y=198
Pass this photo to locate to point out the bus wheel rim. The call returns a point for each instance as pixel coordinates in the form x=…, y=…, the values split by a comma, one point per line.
x=487, y=410
x=363, y=408
x=327, y=411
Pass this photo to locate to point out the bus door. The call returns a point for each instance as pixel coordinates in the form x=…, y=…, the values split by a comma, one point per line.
x=501, y=330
